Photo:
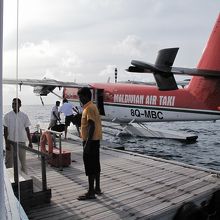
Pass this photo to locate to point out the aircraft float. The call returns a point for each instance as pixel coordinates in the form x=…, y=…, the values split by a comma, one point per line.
x=132, y=105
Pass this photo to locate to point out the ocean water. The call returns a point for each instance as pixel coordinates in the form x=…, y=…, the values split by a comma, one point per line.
x=205, y=152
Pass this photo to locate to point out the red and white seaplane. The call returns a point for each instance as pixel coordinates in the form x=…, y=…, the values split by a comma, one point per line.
x=134, y=104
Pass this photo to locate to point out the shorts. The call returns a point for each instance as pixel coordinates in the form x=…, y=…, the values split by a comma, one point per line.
x=68, y=119
x=77, y=119
x=92, y=160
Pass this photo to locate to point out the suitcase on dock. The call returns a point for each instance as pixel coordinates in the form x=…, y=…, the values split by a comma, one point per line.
x=35, y=137
x=57, y=160
x=58, y=127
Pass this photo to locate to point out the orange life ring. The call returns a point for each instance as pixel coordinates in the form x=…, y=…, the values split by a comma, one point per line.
x=46, y=138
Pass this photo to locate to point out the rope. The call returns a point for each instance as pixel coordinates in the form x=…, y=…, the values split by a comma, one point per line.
x=2, y=186
x=17, y=56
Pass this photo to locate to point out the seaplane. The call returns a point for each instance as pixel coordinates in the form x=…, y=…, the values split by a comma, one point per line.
x=132, y=105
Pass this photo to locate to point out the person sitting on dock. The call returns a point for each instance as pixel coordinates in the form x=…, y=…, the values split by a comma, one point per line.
x=91, y=134
x=55, y=115
x=16, y=132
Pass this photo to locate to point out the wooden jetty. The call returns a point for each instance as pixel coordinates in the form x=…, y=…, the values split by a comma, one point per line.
x=134, y=186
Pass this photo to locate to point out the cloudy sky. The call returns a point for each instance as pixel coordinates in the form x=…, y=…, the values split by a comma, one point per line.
x=84, y=40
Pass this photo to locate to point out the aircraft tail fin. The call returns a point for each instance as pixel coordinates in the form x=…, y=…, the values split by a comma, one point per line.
x=207, y=89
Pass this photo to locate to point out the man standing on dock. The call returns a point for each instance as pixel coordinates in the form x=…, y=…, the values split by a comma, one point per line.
x=16, y=133
x=55, y=115
x=69, y=111
x=91, y=134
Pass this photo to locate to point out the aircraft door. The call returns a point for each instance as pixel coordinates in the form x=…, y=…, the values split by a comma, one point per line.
x=99, y=99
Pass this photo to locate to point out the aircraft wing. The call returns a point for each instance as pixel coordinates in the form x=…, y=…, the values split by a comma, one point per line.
x=44, y=86
x=181, y=83
x=43, y=82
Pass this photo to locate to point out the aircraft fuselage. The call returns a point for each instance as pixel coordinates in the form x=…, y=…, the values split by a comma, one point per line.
x=141, y=103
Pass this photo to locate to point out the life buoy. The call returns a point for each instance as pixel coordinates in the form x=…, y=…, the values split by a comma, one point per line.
x=46, y=138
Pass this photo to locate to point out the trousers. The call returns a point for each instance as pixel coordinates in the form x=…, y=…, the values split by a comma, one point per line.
x=9, y=162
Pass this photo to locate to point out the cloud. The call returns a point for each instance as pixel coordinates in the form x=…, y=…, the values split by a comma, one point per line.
x=33, y=59
x=40, y=60
x=71, y=61
x=42, y=50
x=131, y=45
x=108, y=70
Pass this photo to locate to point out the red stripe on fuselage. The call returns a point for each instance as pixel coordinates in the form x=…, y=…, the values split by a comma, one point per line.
x=149, y=96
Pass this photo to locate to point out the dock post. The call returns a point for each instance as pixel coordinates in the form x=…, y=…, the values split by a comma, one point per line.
x=15, y=160
x=60, y=154
x=44, y=177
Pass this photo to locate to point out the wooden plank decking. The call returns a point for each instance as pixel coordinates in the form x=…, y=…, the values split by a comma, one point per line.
x=134, y=186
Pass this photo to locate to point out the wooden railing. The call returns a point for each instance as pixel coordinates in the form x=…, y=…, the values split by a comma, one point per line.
x=43, y=156
x=43, y=164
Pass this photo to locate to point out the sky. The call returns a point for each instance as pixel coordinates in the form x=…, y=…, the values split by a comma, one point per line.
x=85, y=40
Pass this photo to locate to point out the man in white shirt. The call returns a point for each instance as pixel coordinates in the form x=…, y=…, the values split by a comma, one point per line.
x=69, y=111
x=55, y=115
x=16, y=133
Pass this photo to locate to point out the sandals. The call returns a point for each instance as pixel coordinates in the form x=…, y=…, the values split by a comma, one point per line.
x=98, y=192
x=87, y=196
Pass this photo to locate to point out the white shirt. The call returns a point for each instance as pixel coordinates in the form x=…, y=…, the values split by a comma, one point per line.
x=16, y=124
x=55, y=110
x=67, y=109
